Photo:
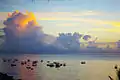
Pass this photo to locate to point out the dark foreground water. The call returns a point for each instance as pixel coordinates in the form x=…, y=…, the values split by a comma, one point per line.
x=97, y=67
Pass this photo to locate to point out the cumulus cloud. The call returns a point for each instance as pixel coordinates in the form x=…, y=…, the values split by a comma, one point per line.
x=22, y=32
x=69, y=40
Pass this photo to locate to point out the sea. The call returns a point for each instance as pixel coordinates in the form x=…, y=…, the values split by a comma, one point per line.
x=96, y=67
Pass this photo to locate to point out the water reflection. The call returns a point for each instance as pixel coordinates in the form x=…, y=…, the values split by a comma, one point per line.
x=34, y=67
x=22, y=67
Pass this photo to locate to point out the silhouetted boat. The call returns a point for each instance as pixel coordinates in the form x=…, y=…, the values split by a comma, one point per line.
x=83, y=62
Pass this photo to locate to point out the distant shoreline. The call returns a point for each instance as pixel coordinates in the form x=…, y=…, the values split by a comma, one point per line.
x=81, y=52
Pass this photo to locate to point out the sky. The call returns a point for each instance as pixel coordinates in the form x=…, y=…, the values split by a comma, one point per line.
x=99, y=18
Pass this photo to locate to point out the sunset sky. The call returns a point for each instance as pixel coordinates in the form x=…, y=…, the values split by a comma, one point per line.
x=99, y=18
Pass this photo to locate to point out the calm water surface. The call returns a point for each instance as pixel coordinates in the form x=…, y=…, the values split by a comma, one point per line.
x=97, y=67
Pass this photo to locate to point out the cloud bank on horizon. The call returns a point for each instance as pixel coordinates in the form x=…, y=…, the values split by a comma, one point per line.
x=22, y=33
x=90, y=17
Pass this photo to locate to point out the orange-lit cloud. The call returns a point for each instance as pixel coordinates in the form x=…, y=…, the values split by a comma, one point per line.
x=21, y=20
